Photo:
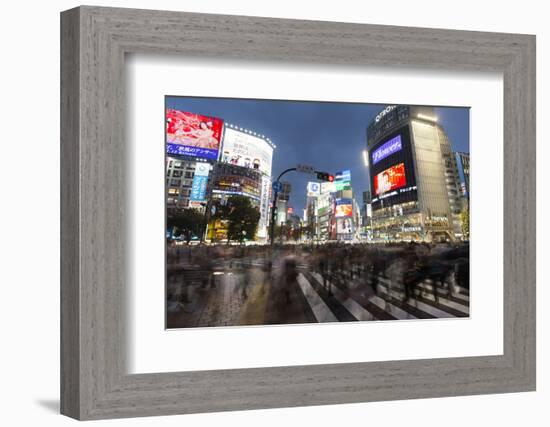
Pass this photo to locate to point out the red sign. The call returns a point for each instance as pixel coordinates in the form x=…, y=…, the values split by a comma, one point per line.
x=193, y=134
x=390, y=179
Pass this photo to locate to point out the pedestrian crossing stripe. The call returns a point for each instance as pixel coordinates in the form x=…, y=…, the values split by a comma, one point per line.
x=320, y=309
x=388, y=301
x=423, y=288
x=350, y=304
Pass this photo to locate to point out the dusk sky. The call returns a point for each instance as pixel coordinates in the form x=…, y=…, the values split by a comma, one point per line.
x=327, y=135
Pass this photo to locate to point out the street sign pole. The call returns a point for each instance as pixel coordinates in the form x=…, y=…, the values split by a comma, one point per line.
x=273, y=215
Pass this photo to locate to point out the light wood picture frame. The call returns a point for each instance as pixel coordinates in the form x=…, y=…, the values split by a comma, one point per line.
x=94, y=380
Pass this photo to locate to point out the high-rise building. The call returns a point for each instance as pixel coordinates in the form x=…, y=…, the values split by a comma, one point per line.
x=413, y=176
x=282, y=202
x=320, y=209
x=463, y=166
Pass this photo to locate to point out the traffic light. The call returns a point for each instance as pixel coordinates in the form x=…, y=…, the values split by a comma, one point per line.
x=325, y=176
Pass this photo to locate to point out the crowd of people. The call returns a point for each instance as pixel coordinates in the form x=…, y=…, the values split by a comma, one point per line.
x=407, y=267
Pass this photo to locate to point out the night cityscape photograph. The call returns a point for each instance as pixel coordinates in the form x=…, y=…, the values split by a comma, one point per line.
x=286, y=212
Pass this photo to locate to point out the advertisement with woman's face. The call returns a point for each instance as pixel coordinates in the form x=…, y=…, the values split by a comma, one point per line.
x=390, y=179
x=192, y=134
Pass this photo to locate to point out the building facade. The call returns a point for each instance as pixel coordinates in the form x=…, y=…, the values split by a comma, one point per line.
x=180, y=175
x=231, y=180
x=200, y=178
x=463, y=167
x=413, y=175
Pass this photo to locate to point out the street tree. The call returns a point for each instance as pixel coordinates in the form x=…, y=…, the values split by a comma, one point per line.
x=242, y=218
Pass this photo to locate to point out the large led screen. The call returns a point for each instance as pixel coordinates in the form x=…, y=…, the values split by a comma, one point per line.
x=193, y=135
x=387, y=149
x=390, y=179
x=344, y=208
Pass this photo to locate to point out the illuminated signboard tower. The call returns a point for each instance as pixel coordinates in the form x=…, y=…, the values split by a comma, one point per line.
x=244, y=168
x=413, y=187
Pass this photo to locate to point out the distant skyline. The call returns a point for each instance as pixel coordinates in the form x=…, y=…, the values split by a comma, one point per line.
x=327, y=135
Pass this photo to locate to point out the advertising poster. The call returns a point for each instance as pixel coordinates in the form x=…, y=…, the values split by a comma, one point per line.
x=244, y=149
x=193, y=135
x=344, y=226
x=344, y=208
x=390, y=179
x=387, y=149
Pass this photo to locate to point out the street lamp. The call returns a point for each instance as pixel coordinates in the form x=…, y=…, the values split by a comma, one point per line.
x=366, y=158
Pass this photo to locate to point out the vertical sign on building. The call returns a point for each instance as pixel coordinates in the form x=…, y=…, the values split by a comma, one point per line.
x=342, y=180
x=200, y=180
x=264, y=206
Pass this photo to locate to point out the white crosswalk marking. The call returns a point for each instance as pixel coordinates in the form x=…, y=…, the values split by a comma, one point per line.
x=351, y=305
x=431, y=310
x=320, y=310
x=390, y=308
x=386, y=294
x=428, y=294
x=442, y=301
x=461, y=297
x=445, y=302
x=434, y=311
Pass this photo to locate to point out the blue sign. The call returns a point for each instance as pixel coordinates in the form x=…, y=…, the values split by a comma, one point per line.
x=184, y=150
x=387, y=149
x=198, y=188
x=343, y=175
x=277, y=186
x=343, y=202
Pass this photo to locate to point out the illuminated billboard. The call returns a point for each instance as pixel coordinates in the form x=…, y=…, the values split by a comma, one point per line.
x=193, y=135
x=342, y=180
x=344, y=208
x=313, y=189
x=344, y=226
x=387, y=149
x=327, y=187
x=265, y=193
x=247, y=150
x=343, y=176
x=390, y=179
x=200, y=180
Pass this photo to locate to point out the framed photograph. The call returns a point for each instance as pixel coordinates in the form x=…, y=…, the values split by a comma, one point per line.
x=255, y=237
x=262, y=213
